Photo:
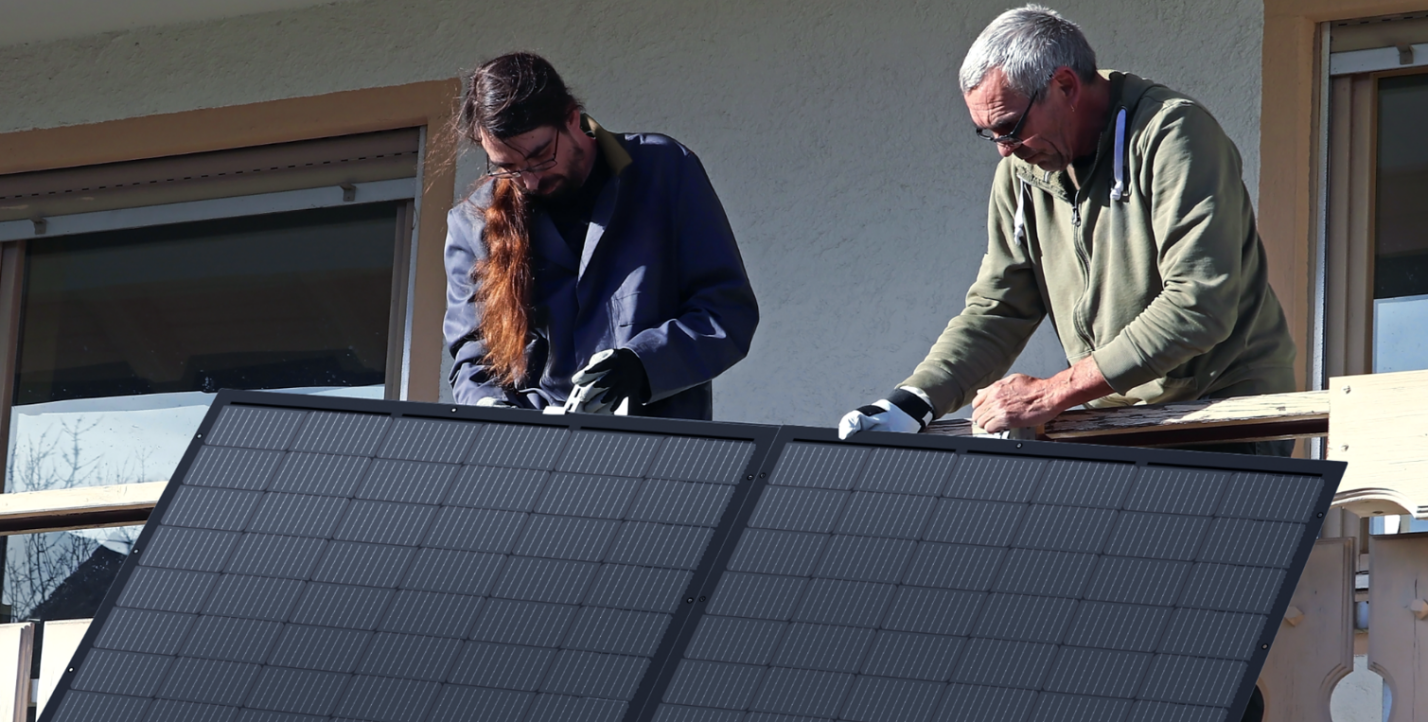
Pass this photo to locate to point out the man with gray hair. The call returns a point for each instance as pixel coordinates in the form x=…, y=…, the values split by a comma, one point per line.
x=1118, y=210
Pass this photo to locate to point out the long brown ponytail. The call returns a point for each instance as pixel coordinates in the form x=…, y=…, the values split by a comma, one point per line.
x=503, y=98
x=503, y=281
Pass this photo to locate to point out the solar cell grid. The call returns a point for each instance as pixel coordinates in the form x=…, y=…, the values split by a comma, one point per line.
x=349, y=562
x=361, y=566
x=992, y=587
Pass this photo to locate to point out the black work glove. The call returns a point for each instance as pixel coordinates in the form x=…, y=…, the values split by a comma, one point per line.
x=612, y=376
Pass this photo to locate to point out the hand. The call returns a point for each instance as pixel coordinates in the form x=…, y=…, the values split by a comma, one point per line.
x=877, y=416
x=1015, y=402
x=611, y=377
x=1021, y=401
x=895, y=413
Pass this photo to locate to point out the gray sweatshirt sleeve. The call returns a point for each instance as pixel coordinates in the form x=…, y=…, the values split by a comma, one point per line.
x=1004, y=307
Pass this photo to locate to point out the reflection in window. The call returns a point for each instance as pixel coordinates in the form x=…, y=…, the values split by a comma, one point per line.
x=127, y=334
x=63, y=575
x=1400, y=281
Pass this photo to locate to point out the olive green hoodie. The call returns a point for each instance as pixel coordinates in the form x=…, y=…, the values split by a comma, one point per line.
x=1160, y=276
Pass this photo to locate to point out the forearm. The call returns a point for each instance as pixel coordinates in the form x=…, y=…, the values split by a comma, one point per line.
x=1076, y=385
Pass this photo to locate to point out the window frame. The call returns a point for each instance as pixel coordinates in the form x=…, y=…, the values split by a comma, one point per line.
x=418, y=271
x=1349, y=211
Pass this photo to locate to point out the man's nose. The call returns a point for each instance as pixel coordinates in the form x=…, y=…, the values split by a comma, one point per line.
x=531, y=181
x=1006, y=149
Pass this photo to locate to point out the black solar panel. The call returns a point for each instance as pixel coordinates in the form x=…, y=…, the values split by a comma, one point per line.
x=350, y=560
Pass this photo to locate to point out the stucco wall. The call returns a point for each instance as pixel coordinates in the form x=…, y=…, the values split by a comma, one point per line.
x=833, y=131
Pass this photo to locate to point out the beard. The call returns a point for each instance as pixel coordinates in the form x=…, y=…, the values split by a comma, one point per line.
x=556, y=186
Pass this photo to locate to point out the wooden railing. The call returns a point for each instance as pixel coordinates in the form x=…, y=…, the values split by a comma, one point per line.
x=1249, y=418
x=1379, y=423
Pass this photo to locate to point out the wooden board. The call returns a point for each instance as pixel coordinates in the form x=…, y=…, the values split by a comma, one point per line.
x=1379, y=424
x=81, y=508
x=61, y=638
x=1314, y=647
x=1248, y=418
x=1398, y=638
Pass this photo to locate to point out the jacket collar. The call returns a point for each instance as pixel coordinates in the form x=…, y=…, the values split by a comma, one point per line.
x=1126, y=92
x=615, y=154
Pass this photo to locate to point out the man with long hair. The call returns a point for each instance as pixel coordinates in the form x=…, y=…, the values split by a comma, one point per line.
x=589, y=270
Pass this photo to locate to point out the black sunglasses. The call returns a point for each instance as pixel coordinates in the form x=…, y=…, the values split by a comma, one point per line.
x=1010, y=139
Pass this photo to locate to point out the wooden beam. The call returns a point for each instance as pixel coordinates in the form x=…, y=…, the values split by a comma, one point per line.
x=1248, y=418
x=81, y=508
x=1379, y=425
x=1381, y=462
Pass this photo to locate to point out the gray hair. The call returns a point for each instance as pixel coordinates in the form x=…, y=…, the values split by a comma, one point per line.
x=1028, y=43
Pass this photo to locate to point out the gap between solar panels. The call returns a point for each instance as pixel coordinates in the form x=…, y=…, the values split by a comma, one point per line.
x=397, y=562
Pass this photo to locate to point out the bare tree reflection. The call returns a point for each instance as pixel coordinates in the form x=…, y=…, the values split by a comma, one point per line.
x=64, y=575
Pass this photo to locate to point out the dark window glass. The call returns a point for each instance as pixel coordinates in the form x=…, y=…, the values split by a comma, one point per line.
x=1401, y=226
x=268, y=302
x=126, y=335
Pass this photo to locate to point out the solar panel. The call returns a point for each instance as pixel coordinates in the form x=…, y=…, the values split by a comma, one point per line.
x=908, y=579
x=394, y=562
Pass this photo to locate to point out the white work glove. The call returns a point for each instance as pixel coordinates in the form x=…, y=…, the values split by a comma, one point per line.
x=906, y=410
x=493, y=402
x=612, y=378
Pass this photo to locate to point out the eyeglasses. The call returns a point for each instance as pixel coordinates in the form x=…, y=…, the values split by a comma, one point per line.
x=531, y=169
x=1010, y=139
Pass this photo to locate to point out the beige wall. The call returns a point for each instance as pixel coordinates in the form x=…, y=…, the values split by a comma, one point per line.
x=832, y=130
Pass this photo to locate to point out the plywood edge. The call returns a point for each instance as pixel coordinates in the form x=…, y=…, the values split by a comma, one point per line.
x=1378, y=423
x=1237, y=411
x=61, y=639
x=1269, y=416
x=79, y=508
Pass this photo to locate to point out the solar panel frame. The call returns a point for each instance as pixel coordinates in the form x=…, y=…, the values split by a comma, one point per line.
x=883, y=533
x=1019, y=457
x=371, y=436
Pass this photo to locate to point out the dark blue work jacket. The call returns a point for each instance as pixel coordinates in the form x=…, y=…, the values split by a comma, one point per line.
x=660, y=274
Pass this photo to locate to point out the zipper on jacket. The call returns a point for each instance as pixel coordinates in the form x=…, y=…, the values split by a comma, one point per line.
x=1083, y=260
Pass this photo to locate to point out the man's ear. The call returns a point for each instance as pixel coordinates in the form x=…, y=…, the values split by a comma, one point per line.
x=1067, y=82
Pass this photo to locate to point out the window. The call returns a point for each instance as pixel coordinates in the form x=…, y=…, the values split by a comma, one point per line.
x=130, y=317
x=1376, y=250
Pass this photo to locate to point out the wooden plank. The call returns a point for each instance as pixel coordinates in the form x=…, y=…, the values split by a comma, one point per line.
x=17, y=646
x=60, y=640
x=1248, y=418
x=80, y=508
x=1398, y=638
x=1379, y=424
x=1314, y=646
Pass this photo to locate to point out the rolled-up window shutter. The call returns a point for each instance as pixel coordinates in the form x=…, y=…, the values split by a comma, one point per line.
x=1381, y=32
x=368, y=157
